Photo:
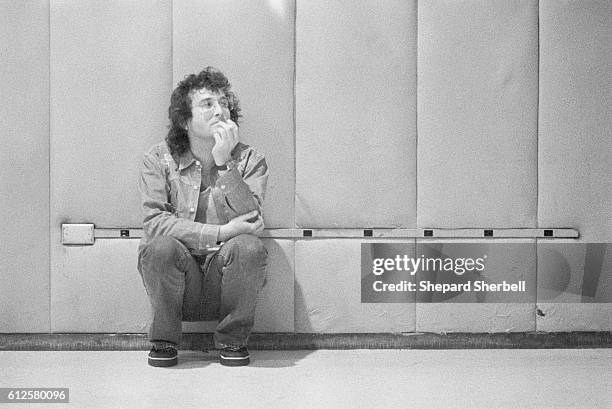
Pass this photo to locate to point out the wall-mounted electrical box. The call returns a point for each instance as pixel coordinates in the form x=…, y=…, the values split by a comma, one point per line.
x=82, y=234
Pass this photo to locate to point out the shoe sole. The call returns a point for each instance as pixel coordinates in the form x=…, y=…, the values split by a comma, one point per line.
x=163, y=362
x=234, y=360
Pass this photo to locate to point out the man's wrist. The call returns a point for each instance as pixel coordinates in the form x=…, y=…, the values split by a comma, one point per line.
x=222, y=233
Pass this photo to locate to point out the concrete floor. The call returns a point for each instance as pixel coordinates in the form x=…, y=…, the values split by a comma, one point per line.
x=322, y=379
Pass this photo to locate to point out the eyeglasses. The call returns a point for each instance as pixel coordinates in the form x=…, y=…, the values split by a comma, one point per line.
x=209, y=103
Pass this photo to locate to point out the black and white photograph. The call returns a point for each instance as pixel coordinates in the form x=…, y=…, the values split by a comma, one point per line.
x=306, y=204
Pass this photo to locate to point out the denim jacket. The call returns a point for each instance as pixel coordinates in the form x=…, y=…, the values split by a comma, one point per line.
x=170, y=187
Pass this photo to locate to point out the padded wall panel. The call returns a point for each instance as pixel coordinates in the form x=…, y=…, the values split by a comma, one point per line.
x=575, y=135
x=98, y=289
x=110, y=87
x=24, y=191
x=328, y=292
x=503, y=262
x=252, y=42
x=356, y=114
x=110, y=82
x=477, y=113
x=574, y=317
x=574, y=286
x=275, y=306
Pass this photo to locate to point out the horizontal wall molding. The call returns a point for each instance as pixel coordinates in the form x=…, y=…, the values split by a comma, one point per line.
x=484, y=233
x=290, y=341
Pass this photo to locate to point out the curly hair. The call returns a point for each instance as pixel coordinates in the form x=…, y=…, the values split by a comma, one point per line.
x=179, y=111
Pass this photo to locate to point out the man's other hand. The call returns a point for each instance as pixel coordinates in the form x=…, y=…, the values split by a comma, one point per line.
x=241, y=225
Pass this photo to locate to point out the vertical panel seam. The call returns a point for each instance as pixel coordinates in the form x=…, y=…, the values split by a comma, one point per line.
x=416, y=121
x=49, y=170
x=415, y=295
x=294, y=113
x=294, y=287
x=416, y=146
x=171, y=45
x=295, y=324
x=537, y=158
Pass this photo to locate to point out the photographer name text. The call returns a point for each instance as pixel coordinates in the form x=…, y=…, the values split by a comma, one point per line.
x=469, y=286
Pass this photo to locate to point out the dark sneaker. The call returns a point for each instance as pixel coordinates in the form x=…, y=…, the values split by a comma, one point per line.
x=233, y=356
x=163, y=357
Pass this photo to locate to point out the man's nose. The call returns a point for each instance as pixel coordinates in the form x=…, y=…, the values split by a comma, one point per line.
x=218, y=109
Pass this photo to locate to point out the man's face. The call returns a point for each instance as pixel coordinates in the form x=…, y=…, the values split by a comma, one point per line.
x=207, y=109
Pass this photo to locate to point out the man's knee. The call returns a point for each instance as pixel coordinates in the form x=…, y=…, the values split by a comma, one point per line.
x=246, y=247
x=162, y=250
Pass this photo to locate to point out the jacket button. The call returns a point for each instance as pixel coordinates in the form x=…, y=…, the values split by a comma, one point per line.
x=192, y=210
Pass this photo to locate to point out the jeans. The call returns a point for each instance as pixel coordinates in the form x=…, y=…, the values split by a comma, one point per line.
x=223, y=285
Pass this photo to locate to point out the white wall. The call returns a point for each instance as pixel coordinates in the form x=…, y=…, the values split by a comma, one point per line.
x=371, y=114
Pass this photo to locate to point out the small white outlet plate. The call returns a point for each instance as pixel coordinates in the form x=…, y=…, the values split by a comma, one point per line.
x=78, y=234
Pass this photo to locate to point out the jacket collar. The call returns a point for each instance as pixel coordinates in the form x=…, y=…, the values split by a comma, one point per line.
x=186, y=160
